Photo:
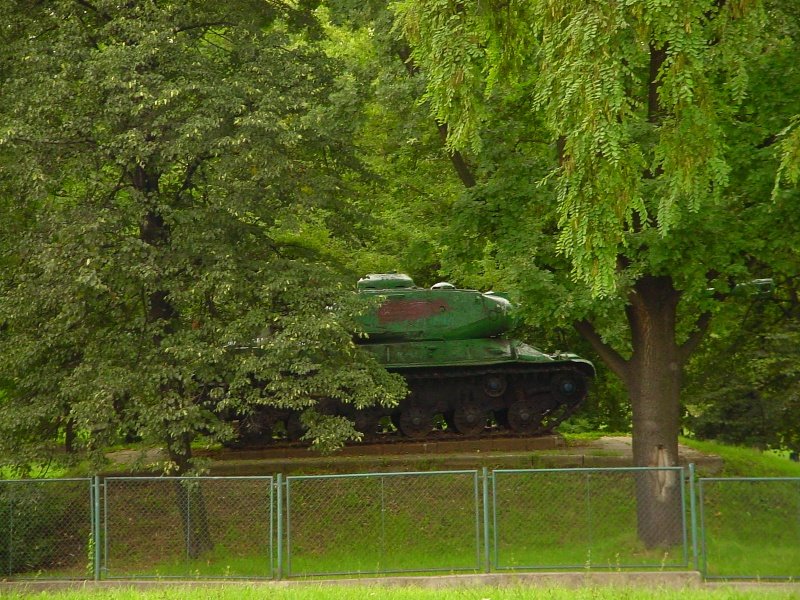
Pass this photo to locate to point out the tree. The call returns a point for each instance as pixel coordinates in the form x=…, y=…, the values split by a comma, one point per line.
x=743, y=387
x=609, y=137
x=179, y=179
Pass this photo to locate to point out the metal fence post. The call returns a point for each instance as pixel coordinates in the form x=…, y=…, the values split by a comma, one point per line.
x=271, y=528
x=704, y=561
x=105, y=527
x=486, y=555
x=10, y=531
x=693, y=517
x=95, y=510
x=183, y=481
x=279, y=567
x=383, y=521
x=494, y=519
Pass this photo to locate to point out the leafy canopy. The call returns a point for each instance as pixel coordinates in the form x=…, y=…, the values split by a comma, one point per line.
x=633, y=94
x=175, y=178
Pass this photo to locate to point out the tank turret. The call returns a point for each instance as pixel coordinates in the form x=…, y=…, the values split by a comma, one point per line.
x=409, y=313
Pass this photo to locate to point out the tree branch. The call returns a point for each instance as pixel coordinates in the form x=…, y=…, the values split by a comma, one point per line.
x=459, y=163
x=657, y=58
x=610, y=356
x=189, y=27
x=191, y=169
x=688, y=347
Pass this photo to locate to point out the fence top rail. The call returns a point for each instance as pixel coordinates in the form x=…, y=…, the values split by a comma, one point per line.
x=191, y=478
x=750, y=479
x=590, y=470
x=43, y=480
x=391, y=474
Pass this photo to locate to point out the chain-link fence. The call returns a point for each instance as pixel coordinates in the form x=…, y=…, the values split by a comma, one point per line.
x=253, y=527
x=187, y=527
x=589, y=518
x=383, y=523
x=750, y=528
x=46, y=529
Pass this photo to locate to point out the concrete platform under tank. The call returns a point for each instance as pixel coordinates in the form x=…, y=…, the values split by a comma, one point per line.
x=494, y=453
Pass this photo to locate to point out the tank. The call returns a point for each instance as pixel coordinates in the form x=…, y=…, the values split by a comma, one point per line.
x=448, y=344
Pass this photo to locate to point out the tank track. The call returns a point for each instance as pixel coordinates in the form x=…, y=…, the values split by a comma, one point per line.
x=531, y=385
x=504, y=399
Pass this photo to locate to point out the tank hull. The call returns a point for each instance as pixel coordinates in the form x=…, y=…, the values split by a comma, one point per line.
x=469, y=352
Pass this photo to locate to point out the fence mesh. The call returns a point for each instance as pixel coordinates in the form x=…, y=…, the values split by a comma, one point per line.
x=589, y=518
x=396, y=522
x=188, y=527
x=383, y=523
x=751, y=527
x=46, y=529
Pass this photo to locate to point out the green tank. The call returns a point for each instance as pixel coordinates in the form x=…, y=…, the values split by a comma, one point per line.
x=447, y=344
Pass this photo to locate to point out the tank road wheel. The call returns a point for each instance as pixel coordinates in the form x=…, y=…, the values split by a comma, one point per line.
x=469, y=418
x=569, y=388
x=367, y=422
x=294, y=428
x=523, y=417
x=494, y=386
x=415, y=422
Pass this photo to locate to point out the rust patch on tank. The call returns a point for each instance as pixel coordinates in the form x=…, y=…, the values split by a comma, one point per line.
x=394, y=311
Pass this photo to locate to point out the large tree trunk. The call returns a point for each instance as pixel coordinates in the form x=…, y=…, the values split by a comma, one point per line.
x=652, y=377
x=191, y=503
x=653, y=381
x=154, y=231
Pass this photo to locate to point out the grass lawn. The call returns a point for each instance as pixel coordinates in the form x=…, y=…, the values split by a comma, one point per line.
x=554, y=520
x=412, y=593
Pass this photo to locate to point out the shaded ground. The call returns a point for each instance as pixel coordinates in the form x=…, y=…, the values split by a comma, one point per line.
x=511, y=453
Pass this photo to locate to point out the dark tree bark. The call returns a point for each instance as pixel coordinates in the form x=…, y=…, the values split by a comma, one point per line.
x=653, y=381
x=652, y=377
x=154, y=231
x=69, y=435
x=457, y=159
x=191, y=502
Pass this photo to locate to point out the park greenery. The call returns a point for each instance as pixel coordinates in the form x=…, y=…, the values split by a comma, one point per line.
x=180, y=179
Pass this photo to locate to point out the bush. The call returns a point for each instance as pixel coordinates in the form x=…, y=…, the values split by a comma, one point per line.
x=45, y=526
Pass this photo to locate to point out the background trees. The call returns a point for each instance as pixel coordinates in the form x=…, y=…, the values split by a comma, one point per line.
x=178, y=175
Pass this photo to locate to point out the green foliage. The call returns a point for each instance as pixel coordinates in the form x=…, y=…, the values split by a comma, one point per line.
x=36, y=532
x=743, y=389
x=790, y=160
x=635, y=95
x=177, y=190
x=411, y=186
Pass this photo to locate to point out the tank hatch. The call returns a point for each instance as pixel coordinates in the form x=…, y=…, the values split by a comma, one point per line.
x=385, y=281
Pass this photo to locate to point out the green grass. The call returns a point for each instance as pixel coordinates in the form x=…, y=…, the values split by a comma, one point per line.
x=412, y=593
x=369, y=525
x=747, y=462
x=752, y=528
